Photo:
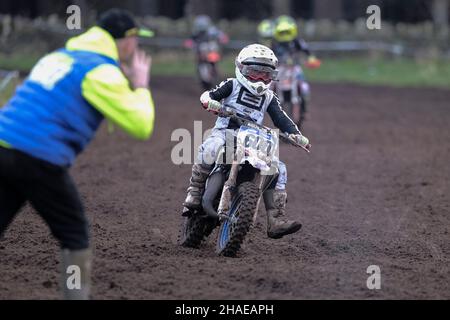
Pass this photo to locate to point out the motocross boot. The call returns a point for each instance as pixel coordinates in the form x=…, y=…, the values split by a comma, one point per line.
x=76, y=274
x=196, y=186
x=277, y=225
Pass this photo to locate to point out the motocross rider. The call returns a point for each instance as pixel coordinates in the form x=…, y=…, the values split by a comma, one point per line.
x=265, y=32
x=204, y=30
x=247, y=94
x=287, y=45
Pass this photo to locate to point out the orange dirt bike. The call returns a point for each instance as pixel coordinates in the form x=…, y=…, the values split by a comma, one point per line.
x=234, y=187
x=208, y=56
x=292, y=89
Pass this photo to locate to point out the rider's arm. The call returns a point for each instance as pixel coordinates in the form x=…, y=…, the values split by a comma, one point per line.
x=221, y=92
x=280, y=118
x=302, y=46
x=223, y=37
x=107, y=90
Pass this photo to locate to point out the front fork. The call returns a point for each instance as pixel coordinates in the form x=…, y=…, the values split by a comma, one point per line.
x=227, y=193
x=260, y=187
x=230, y=186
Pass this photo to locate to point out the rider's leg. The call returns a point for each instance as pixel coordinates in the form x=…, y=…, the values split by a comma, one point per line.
x=196, y=187
x=52, y=192
x=207, y=155
x=305, y=94
x=55, y=197
x=11, y=197
x=275, y=199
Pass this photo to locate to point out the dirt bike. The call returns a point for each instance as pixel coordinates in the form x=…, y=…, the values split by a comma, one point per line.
x=289, y=89
x=208, y=56
x=234, y=188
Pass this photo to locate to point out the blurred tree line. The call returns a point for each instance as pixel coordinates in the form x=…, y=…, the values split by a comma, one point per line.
x=408, y=11
x=418, y=23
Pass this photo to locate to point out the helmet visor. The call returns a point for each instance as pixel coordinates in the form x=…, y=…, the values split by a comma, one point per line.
x=256, y=73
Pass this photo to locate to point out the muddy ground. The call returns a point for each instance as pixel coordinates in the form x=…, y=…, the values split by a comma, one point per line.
x=374, y=191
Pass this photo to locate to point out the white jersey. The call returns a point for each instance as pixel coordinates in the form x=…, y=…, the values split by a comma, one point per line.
x=236, y=97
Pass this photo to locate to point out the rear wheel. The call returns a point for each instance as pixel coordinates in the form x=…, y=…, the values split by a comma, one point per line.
x=207, y=74
x=233, y=230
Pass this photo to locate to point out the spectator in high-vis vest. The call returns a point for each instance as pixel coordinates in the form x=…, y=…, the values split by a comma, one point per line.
x=52, y=117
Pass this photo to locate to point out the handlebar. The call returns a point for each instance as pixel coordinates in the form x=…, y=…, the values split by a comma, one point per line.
x=242, y=121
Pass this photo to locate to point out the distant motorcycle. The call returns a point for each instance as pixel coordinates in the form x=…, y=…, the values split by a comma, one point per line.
x=290, y=86
x=208, y=56
x=233, y=190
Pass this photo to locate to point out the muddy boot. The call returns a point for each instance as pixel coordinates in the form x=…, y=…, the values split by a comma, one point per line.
x=196, y=186
x=76, y=274
x=277, y=225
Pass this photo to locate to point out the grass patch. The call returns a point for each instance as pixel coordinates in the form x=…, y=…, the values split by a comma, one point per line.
x=369, y=71
x=8, y=91
x=5, y=95
x=21, y=62
x=376, y=71
x=173, y=64
x=392, y=72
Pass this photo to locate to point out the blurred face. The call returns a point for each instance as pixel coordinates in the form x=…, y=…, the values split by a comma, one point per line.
x=127, y=47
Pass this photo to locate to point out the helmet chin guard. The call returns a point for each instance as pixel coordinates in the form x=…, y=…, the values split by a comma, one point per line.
x=256, y=88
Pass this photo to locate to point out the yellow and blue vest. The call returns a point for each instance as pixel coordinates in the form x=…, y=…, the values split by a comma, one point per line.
x=55, y=113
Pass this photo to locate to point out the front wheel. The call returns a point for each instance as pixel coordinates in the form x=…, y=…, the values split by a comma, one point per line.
x=195, y=229
x=233, y=230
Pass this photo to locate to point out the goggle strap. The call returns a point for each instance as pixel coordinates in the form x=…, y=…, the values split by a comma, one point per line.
x=258, y=64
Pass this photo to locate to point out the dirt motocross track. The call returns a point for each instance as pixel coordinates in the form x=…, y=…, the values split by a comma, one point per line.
x=374, y=191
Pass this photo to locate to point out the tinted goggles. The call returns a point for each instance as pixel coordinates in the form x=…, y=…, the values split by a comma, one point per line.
x=257, y=73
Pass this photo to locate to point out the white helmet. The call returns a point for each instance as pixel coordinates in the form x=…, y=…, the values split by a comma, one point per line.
x=256, y=68
x=202, y=23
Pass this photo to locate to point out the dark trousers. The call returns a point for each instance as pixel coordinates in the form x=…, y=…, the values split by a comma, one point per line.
x=49, y=189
